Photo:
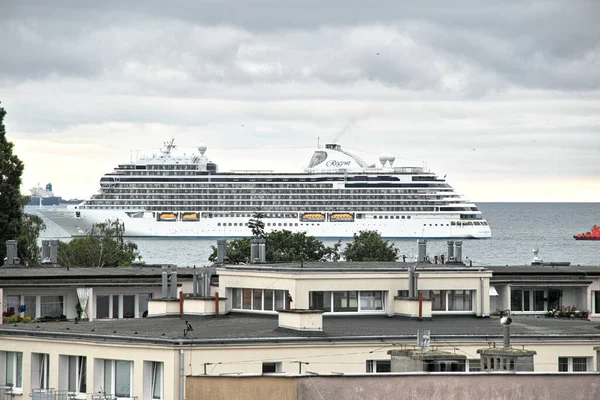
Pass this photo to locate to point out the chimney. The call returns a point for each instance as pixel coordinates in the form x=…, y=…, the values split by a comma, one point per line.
x=195, y=283
x=413, y=282
x=258, y=251
x=422, y=250
x=54, y=251
x=46, y=252
x=221, y=250
x=11, y=253
x=450, y=250
x=301, y=320
x=458, y=250
x=174, y=283
x=165, y=282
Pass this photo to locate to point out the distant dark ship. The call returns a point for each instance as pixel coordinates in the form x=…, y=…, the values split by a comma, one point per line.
x=45, y=197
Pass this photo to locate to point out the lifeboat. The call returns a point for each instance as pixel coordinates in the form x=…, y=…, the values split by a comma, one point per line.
x=593, y=235
x=313, y=217
x=343, y=217
x=190, y=216
x=167, y=217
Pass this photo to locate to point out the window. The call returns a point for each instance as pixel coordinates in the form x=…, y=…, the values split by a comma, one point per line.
x=13, y=377
x=153, y=380
x=40, y=374
x=73, y=373
x=271, y=367
x=574, y=364
x=117, y=378
x=102, y=307
x=348, y=301
x=529, y=300
x=379, y=366
x=596, y=302
x=143, y=304
x=258, y=299
x=450, y=300
x=128, y=306
x=51, y=307
x=475, y=365
x=30, y=303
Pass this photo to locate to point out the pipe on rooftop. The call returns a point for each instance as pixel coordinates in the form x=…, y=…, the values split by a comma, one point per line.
x=181, y=375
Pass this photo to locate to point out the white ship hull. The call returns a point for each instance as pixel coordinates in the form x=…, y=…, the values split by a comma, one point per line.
x=432, y=226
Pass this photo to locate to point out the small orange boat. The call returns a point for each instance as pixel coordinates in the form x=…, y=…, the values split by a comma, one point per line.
x=593, y=235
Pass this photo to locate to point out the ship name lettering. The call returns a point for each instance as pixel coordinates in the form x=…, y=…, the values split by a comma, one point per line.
x=335, y=163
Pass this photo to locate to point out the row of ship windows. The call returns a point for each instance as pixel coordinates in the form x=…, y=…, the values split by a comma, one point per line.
x=266, y=224
x=279, y=188
x=468, y=223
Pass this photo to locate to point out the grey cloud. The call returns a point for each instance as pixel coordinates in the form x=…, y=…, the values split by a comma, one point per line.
x=471, y=50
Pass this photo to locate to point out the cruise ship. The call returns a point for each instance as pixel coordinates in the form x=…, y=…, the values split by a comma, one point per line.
x=338, y=194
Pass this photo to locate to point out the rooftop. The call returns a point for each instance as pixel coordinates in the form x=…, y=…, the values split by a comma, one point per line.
x=248, y=328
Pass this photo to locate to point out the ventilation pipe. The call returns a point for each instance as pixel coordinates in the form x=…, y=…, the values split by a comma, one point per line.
x=422, y=250
x=174, y=284
x=165, y=282
x=413, y=282
x=254, y=252
x=458, y=250
x=221, y=250
x=450, y=250
x=195, y=283
x=262, y=251
x=54, y=251
x=46, y=252
x=11, y=253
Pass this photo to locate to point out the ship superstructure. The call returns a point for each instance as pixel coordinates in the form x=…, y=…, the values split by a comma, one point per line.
x=337, y=195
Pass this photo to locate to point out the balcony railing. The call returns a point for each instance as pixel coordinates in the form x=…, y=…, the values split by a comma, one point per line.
x=50, y=394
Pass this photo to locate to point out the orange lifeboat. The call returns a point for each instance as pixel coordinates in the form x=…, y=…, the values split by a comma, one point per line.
x=593, y=235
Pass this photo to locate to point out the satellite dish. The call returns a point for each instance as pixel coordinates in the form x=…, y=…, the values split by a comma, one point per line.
x=202, y=149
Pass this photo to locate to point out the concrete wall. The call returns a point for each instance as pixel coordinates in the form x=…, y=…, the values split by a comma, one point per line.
x=247, y=388
x=455, y=386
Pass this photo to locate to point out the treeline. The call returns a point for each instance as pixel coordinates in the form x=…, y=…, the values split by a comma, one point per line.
x=286, y=246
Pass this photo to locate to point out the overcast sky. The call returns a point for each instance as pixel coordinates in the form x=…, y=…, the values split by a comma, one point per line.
x=502, y=97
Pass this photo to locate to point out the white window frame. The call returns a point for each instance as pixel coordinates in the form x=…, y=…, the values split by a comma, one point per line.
x=78, y=362
x=595, y=299
x=154, y=373
x=359, y=309
x=447, y=302
x=278, y=367
x=16, y=388
x=40, y=376
x=588, y=364
x=113, y=376
x=371, y=366
x=238, y=293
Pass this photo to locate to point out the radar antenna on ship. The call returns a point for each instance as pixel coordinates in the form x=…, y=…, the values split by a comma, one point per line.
x=170, y=145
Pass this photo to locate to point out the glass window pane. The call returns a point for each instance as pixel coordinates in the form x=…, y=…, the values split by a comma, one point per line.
x=30, y=306
x=538, y=300
x=247, y=299
x=51, y=307
x=516, y=300
x=526, y=300
x=102, y=304
x=12, y=305
x=123, y=378
x=157, y=378
x=596, y=305
x=371, y=301
x=345, y=301
x=257, y=303
x=236, y=302
x=108, y=375
x=268, y=300
x=129, y=306
x=143, y=303
x=115, y=306
x=563, y=364
x=279, y=296
x=10, y=369
x=439, y=300
x=579, y=364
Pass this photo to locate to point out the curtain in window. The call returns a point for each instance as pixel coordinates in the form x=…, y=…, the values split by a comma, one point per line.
x=83, y=294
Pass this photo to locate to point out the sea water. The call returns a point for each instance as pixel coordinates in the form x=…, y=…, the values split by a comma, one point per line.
x=517, y=229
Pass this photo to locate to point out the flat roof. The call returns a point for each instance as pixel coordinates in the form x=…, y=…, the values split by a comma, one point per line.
x=255, y=328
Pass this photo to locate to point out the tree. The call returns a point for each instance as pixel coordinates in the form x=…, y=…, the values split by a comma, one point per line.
x=282, y=246
x=11, y=211
x=238, y=251
x=103, y=246
x=29, y=251
x=369, y=246
x=257, y=226
x=285, y=246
